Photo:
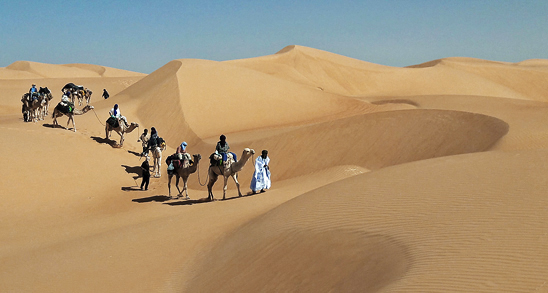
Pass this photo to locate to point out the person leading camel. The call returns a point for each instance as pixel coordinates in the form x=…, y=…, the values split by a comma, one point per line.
x=144, y=141
x=223, y=147
x=145, y=168
x=261, y=176
x=115, y=112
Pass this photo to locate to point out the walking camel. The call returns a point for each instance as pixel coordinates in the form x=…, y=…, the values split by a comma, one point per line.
x=183, y=172
x=121, y=130
x=229, y=169
x=157, y=159
x=57, y=112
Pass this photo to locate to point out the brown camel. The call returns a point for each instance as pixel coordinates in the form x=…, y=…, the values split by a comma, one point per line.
x=33, y=107
x=183, y=172
x=58, y=113
x=229, y=169
x=121, y=130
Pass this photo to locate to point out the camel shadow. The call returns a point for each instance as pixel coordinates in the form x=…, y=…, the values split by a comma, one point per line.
x=104, y=141
x=188, y=202
x=56, y=126
x=155, y=198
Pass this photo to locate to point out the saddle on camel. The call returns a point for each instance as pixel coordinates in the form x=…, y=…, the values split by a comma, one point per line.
x=175, y=162
x=65, y=106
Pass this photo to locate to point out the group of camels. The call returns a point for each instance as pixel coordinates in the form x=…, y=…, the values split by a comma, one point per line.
x=230, y=168
x=37, y=108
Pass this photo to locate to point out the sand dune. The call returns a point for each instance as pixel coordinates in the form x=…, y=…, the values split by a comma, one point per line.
x=427, y=178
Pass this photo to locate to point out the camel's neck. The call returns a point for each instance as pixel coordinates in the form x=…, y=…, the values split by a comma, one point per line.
x=238, y=166
x=131, y=128
x=80, y=112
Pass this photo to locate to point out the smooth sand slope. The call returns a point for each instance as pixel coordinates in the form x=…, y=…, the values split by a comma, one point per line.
x=429, y=178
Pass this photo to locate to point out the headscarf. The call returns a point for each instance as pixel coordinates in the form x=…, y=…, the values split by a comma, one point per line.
x=115, y=109
x=183, y=145
x=223, y=140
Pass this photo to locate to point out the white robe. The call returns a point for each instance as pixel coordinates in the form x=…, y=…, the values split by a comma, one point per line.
x=261, y=177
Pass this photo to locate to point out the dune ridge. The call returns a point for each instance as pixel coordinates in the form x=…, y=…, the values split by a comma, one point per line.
x=385, y=179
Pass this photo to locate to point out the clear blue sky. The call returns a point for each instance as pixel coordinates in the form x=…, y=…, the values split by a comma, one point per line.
x=144, y=35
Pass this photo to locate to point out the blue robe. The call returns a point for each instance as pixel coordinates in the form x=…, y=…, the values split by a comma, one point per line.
x=261, y=177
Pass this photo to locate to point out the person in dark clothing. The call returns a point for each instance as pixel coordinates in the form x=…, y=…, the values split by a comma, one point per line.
x=105, y=94
x=145, y=168
x=222, y=148
x=153, y=140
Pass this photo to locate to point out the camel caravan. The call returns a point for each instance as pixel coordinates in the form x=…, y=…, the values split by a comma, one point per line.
x=181, y=164
x=36, y=104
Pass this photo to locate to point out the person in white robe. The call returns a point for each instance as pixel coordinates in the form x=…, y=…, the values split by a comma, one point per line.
x=261, y=176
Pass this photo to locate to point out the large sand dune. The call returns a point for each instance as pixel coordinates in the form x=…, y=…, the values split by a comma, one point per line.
x=429, y=178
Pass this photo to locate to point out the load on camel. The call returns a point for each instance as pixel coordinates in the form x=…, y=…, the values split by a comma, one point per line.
x=181, y=169
x=230, y=168
x=67, y=108
x=36, y=106
x=77, y=91
x=118, y=125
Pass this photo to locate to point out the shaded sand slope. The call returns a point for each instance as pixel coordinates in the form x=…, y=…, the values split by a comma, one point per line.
x=528, y=120
x=378, y=140
x=346, y=76
x=449, y=223
x=198, y=99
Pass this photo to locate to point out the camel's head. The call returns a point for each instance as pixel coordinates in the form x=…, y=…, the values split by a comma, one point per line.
x=88, y=107
x=248, y=151
x=197, y=157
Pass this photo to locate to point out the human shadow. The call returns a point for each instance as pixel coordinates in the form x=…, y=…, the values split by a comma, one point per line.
x=131, y=188
x=133, y=170
x=135, y=154
x=155, y=198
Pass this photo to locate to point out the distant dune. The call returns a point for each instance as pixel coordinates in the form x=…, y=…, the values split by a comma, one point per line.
x=427, y=178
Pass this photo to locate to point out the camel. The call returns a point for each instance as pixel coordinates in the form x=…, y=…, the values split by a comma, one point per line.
x=157, y=159
x=47, y=96
x=58, y=113
x=229, y=168
x=121, y=130
x=88, y=96
x=183, y=172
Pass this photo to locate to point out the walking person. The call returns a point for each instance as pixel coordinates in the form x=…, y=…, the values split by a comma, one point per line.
x=145, y=168
x=105, y=94
x=144, y=142
x=261, y=176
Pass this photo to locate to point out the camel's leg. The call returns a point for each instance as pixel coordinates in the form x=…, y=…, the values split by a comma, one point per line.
x=121, y=139
x=177, y=185
x=235, y=177
x=212, y=179
x=169, y=185
x=225, y=186
x=73, y=124
x=106, y=131
x=185, y=188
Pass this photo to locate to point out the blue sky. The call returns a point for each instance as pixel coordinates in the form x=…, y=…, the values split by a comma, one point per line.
x=142, y=36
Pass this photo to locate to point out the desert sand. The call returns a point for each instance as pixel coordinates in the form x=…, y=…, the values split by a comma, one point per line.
x=428, y=178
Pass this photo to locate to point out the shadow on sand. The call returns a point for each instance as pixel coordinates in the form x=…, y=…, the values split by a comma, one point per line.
x=188, y=202
x=155, y=198
x=101, y=140
x=56, y=126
